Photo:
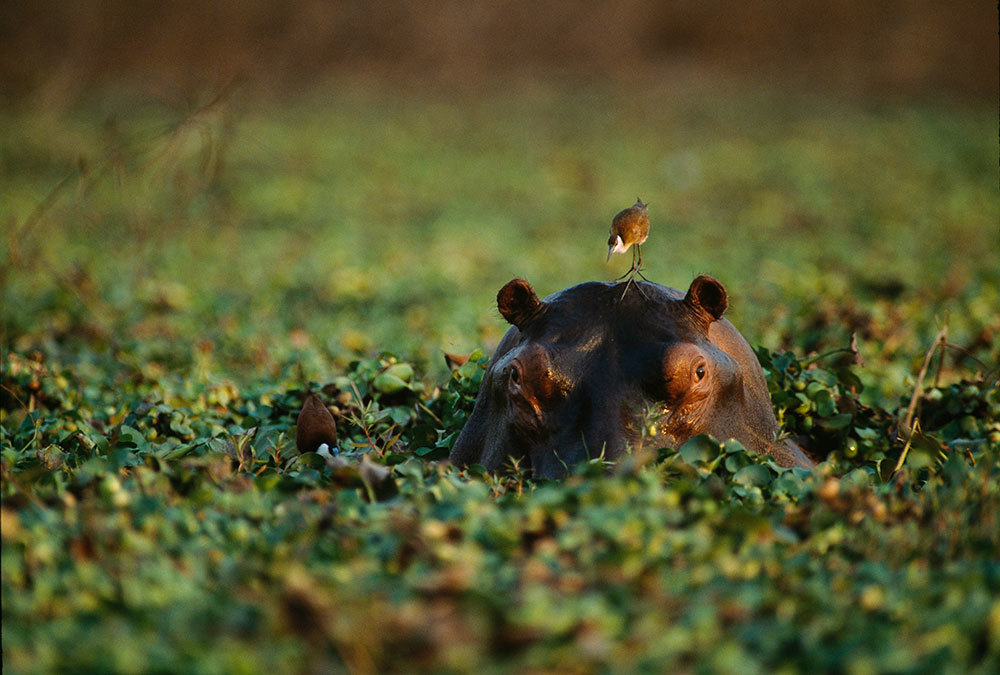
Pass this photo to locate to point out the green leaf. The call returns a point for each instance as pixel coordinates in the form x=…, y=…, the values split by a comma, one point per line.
x=468, y=370
x=400, y=415
x=262, y=412
x=131, y=437
x=732, y=446
x=310, y=460
x=404, y=371
x=699, y=449
x=836, y=422
x=825, y=405
x=432, y=453
x=387, y=383
x=735, y=462
x=755, y=475
x=823, y=376
x=790, y=484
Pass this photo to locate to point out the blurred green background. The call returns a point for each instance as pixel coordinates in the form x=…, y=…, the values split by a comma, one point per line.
x=233, y=189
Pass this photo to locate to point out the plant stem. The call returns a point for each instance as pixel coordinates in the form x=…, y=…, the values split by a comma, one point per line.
x=918, y=387
x=813, y=359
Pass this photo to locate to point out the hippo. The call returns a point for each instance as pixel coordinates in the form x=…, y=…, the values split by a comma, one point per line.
x=580, y=373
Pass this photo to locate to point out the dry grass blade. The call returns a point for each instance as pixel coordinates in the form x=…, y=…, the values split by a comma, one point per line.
x=918, y=387
x=911, y=426
x=906, y=448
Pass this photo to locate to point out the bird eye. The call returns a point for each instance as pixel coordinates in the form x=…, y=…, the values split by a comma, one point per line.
x=699, y=373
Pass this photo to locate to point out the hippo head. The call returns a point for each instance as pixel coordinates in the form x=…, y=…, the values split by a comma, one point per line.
x=581, y=372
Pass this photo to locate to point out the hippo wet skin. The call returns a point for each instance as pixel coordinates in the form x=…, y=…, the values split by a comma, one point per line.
x=578, y=372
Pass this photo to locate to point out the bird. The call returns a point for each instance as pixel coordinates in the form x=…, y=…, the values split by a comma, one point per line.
x=630, y=227
x=315, y=429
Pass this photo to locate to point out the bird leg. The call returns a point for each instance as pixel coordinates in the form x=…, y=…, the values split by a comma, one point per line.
x=631, y=269
x=632, y=272
x=638, y=269
x=626, y=289
x=639, y=288
x=631, y=279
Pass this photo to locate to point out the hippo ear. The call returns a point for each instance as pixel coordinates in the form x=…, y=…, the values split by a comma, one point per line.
x=517, y=302
x=707, y=295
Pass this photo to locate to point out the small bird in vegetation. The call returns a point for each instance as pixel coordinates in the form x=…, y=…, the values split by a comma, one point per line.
x=630, y=227
x=315, y=430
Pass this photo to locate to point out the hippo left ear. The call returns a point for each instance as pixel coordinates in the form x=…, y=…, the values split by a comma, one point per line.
x=707, y=295
x=517, y=302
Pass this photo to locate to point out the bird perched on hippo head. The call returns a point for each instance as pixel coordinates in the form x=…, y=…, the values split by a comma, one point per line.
x=630, y=227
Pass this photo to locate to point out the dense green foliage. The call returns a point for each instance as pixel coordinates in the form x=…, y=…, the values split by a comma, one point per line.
x=171, y=288
x=182, y=528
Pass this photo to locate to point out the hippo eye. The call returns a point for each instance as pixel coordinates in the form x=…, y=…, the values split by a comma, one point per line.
x=515, y=375
x=699, y=373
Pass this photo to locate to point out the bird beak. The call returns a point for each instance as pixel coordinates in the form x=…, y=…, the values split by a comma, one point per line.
x=611, y=249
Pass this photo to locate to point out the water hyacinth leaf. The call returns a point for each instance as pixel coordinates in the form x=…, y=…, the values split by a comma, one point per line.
x=850, y=381
x=814, y=388
x=825, y=405
x=404, y=371
x=477, y=470
x=859, y=477
x=169, y=453
x=267, y=480
x=864, y=433
x=782, y=361
x=823, y=376
x=700, y=449
x=836, y=422
x=790, y=484
x=400, y=415
x=124, y=457
x=731, y=446
x=294, y=480
x=367, y=368
x=131, y=437
x=386, y=383
x=262, y=412
x=755, y=475
x=90, y=469
x=181, y=428
x=447, y=440
x=469, y=370
x=734, y=462
x=439, y=452
x=311, y=460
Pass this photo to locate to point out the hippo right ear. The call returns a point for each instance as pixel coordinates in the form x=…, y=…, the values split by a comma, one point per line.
x=708, y=296
x=517, y=302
